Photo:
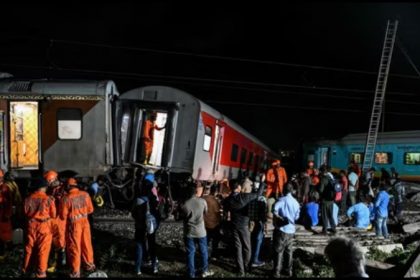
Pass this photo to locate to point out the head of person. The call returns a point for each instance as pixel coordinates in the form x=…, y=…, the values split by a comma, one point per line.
x=153, y=116
x=346, y=257
x=246, y=185
x=207, y=189
x=235, y=186
x=311, y=164
x=199, y=189
x=323, y=169
x=39, y=184
x=71, y=183
x=275, y=163
x=350, y=169
x=313, y=196
x=52, y=178
x=343, y=173
x=288, y=188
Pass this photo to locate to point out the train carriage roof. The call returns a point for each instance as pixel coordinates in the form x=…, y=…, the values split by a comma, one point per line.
x=407, y=136
x=56, y=89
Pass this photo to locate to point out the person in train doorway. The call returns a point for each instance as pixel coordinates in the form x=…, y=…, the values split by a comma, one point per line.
x=6, y=211
x=39, y=210
x=276, y=178
x=356, y=168
x=149, y=127
x=286, y=212
x=57, y=191
x=75, y=207
x=327, y=193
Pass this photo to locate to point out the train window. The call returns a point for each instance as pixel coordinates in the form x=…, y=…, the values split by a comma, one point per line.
x=69, y=124
x=383, y=158
x=356, y=157
x=207, y=139
x=257, y=162
x=243, y=155
x=412, y=158
x=234, y=153
x=251, y=158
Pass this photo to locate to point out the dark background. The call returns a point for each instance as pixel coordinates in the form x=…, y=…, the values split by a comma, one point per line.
x=283, y=72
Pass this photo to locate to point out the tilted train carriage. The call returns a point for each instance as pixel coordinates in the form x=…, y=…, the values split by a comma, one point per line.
x=88, y=128
x=398, y=149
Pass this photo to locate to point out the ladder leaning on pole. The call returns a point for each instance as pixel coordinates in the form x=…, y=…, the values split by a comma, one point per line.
x=375, y=118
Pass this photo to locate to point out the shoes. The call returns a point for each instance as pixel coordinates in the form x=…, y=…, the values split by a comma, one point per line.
x=138, y=273
x=207, y=273
x=51, y=269
x=155, y=269
x=276, y=275
x=258, y=264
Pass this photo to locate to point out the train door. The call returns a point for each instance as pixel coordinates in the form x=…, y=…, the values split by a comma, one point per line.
x=218, y=136
x=324, y=156
x=24, y=135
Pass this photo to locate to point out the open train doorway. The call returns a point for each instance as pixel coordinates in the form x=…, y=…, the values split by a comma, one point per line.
x=158, y=137
x=24, y=135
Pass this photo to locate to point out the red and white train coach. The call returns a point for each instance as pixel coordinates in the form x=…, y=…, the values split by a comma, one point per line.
x=197, y=139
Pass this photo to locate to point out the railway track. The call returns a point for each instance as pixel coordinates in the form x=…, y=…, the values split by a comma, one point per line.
x=126, y=220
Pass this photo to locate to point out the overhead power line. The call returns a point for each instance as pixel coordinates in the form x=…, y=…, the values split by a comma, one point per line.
x=196, y=79
x=405, y=53
x=311, y=108
x=248, y=60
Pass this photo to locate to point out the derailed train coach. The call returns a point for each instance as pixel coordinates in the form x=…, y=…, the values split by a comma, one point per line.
x=398, y=149
x=87, y=128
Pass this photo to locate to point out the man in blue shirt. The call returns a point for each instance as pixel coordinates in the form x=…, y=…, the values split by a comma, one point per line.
x=361, y=214
x=381, y=212
x=286, y=211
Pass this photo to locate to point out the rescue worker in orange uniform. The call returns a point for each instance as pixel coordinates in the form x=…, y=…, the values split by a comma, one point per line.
x=276, y=178
x=56, y=190
x=149, y=127
x=313, y=173
x=6, y=211
x=39, y=210
x=75, y=208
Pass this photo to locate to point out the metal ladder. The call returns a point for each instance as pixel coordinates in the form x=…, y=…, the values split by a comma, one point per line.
x=375, y=118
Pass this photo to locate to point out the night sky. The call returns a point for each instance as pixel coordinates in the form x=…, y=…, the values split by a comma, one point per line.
x=281, y=72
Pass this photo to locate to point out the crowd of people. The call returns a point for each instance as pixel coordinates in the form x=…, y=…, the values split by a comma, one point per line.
x=56, y=225
x=239, y=212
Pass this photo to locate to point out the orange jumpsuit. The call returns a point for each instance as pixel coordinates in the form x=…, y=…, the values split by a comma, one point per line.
x=275, y=182
x=6, y=210
x=75, y=208
x=148, y=131
x=39, y=209
x=58, y=225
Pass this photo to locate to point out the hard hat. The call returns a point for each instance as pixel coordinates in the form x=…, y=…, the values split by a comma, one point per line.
x=275, y=162
x=71, y=182
x=99, y=201
x=50, y=175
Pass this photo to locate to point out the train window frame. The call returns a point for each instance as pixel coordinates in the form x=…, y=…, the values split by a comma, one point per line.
x=416, y=162
x=362, y=155
x=251, y=158
x=72, y=117
x=244, y=154
x=389, y=158
x=234, y=153
x=208, y=132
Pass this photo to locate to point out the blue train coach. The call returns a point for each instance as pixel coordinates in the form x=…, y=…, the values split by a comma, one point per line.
x=398, y=149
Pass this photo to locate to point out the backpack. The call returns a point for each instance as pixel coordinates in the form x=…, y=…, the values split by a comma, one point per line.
x=332, y=189
x=151, y=223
